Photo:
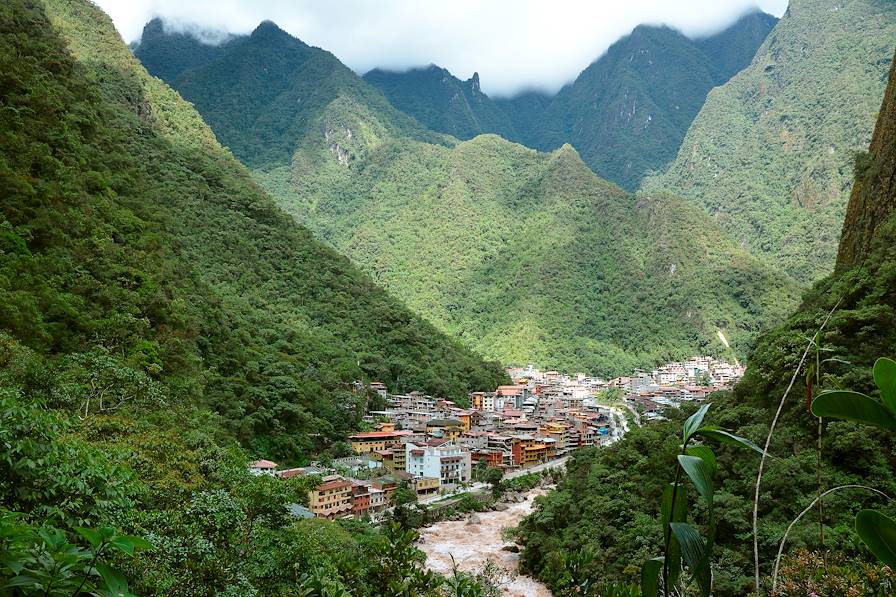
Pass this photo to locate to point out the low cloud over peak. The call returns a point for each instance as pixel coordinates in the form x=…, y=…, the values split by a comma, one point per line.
x=514, y=45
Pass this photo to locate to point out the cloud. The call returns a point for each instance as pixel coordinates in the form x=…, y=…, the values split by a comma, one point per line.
x=513, y=44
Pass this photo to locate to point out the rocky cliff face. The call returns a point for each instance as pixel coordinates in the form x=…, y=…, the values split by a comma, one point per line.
x=873, y=198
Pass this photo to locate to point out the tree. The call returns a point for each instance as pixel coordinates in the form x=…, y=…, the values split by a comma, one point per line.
x=493, y=477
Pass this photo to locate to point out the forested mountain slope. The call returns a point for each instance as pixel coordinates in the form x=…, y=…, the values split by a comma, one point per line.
x=131, y=242
x=521, y=255
x=264, y=92
x=626, y=114
x=609, y=501
x=161, y=323
x=443, y=102
x=529, y=257
x=629, y=110
x=771, y=153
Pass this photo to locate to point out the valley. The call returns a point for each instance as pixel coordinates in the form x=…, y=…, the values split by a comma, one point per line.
x=283, y=312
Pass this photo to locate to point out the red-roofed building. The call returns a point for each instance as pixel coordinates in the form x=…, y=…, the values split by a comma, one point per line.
x=373, y=441
x=332, y=499
x=263, y=467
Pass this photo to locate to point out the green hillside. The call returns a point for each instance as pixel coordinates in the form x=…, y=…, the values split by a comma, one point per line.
x=264, y=92
x=770, y=155
x=442, y=102
x=629, y=110
x=529, y=257
x=522, y=256
x=161, y=323
x=608, y=503
x=132, y=241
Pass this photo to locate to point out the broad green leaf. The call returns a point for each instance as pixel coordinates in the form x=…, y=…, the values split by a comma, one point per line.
x=726, y=437
x=853, y=406
x=885, y=378
x=93, y=537
x=699, y=473
x=692, y=545
x=116, y=583
x=706, y=454
x=878, y=532
x=22, y=580
x=673, y=554
x=127, y=543
x=650, y=577
x=694, y=422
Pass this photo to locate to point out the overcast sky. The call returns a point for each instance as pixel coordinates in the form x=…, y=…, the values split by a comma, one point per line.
x=513, y=44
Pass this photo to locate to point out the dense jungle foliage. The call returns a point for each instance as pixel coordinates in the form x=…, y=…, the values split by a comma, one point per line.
x=770, y=155
x=261, y=113
x=629, y=110
x=609, y=502
x=162, y=322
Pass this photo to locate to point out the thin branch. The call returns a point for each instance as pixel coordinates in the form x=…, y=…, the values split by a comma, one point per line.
x=768, y=440
x=801, y=514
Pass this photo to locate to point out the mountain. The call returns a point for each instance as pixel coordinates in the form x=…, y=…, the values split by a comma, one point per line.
x=442, y=102
x=166, y=54
x=608, y=503
x=263, y=92
x=132, y=242
x=162, y=322
x=626, y=113
x=523, y=256
x=771, y=153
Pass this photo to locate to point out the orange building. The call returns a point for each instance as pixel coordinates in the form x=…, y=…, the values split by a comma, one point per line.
x=332, y=499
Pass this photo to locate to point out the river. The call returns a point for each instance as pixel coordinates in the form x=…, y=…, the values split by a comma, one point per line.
x=473, y=544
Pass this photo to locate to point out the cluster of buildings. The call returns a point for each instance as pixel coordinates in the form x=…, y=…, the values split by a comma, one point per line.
x=432, y=445
x=673, y=383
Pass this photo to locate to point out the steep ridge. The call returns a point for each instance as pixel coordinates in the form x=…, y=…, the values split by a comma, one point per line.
x=521, y=255
x=609, y=500
x=442, y=102
x=263, y=92
x=134, y=246
x=628, y=111
x=771, y=153
x=626, y=114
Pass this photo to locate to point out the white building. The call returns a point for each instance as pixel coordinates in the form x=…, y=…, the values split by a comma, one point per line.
x=445, y=461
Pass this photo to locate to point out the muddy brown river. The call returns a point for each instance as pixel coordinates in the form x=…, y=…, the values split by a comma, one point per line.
x=473, y=544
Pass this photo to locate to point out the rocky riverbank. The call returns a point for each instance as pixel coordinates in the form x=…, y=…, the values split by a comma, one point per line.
x=476, y=538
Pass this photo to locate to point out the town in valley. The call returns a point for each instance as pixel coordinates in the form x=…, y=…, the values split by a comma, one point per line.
x=434, y=447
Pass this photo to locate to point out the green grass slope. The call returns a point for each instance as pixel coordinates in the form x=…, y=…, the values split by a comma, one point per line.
x=609, y=502
x=771, y=153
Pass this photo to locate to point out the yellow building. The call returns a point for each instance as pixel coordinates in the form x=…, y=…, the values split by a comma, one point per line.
x=534, y=454
x=445, y=428
x=556, y=430
x=426, y=485
x=374, y=441
x=331, y=499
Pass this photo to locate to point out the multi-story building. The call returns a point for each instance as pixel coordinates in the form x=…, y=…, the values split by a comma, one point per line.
x=445, y=428
x=449, y=463
x=331, y=499
x=393, y=459
x=483, y=401
x=372, y=441
x=360, y=500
